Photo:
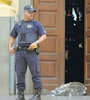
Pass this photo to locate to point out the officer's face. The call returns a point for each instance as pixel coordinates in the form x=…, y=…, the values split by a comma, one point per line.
x=28, y=15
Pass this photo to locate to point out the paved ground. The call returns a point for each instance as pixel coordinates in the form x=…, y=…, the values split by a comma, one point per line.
x=4, y=97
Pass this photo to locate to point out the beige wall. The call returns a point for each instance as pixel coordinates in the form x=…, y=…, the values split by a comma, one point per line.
x=4, y=55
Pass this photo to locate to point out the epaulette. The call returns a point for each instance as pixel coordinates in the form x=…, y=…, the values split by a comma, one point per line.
x=34, y=21
x=20, y=23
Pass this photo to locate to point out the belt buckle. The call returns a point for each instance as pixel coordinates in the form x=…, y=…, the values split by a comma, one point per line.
x=20, y=48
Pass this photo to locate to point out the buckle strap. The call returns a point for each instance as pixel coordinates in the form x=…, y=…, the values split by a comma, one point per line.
x=22, y=48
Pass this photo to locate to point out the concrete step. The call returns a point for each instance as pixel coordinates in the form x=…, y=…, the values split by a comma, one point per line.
x=5, y=97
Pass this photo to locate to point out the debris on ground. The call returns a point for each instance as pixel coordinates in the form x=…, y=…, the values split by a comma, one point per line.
x=69, y=89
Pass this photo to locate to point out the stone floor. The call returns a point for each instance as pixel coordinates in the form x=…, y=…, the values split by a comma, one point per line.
x=5, y=97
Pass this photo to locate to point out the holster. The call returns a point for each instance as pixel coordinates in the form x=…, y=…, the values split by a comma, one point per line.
x=37, y=49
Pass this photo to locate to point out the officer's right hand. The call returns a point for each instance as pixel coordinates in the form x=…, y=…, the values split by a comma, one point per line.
x=11, y=50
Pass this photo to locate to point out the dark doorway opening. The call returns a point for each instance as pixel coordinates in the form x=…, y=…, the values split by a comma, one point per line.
x=74, y=41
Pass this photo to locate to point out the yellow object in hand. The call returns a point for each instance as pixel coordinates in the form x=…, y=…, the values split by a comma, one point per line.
x=35, y=46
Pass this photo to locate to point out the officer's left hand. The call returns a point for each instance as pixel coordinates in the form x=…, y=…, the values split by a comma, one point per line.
x=31, y=47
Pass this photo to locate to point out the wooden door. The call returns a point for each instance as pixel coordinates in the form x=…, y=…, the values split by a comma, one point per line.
x=51, y=13
x=87, y=45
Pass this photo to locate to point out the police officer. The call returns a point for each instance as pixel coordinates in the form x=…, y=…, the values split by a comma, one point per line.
x=28, y=32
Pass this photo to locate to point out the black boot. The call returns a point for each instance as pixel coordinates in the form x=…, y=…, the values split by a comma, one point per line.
x=20, y=95
x=37, y=95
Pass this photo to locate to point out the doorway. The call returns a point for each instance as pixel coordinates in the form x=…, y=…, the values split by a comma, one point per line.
x=74, y=41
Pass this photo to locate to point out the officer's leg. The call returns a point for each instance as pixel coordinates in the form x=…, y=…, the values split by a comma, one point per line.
x=33, y=62
x=21, y=67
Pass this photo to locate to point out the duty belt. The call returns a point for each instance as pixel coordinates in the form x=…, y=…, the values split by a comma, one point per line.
x=23, y=49
x=36, y=49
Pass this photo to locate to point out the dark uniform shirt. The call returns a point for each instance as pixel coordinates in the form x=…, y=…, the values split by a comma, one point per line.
x=37, y=27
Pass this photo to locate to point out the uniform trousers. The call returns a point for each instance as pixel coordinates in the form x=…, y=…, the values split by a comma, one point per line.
x=22, y=59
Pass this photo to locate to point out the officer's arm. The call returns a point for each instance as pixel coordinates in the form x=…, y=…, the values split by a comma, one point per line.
x=42, y=38
x=11, y=42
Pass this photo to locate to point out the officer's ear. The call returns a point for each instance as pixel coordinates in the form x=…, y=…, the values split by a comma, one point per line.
x=25, y=11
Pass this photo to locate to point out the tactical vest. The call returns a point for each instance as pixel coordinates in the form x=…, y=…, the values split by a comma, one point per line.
x=27, y=33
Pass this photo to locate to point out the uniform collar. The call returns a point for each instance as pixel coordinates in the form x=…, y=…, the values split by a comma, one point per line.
x=28, y=21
